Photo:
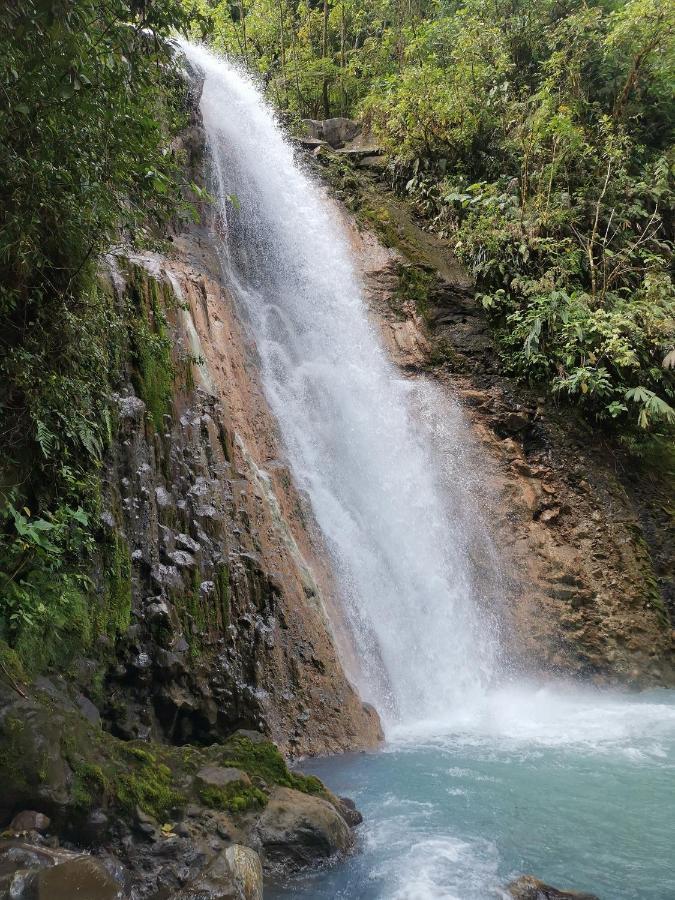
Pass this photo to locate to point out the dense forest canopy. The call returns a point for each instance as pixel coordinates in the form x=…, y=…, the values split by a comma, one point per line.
x=536, y=136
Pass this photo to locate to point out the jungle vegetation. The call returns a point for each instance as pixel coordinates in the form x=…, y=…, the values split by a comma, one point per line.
x=536, y=137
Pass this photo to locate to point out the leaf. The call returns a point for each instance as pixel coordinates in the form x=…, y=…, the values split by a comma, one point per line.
x=80, y=516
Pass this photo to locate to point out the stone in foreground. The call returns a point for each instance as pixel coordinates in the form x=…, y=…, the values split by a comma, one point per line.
x=298, y=830
x=529, y=888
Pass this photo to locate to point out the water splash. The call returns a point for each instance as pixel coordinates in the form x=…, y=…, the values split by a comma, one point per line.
x=376, y=453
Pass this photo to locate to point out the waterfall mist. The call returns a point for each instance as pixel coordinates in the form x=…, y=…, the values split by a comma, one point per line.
x=380, y=457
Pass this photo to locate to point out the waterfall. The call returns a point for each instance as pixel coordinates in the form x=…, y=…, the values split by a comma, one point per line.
x=379, y=456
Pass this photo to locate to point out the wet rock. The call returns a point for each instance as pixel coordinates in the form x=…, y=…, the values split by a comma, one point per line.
x=529, y=888
x=157, y=610
x=255, y=737
x=16, y=856
x=29, y=820
x=185, y=542
x=131, y=409
x=298, y=830
x=183, y=559
x=348, y=811
x=29, y=872
x=83, y=878
x=512, y=422
x=88, y=710
x=95, y=827
x=235, y=874
x=30, y=733
x=163, y=498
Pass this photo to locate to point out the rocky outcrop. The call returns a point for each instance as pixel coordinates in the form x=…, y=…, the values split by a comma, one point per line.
x=335, y=132
x=156, y=820
x=221, y=562
x=586, y=554
x=209, y=633
x=528, y=888
x=33, y=872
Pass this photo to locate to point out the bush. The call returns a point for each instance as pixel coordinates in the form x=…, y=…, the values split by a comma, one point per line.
x=534, y=136
x=90, y=101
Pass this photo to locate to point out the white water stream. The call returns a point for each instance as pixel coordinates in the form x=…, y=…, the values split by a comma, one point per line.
x=382, y=461
x=358, y=436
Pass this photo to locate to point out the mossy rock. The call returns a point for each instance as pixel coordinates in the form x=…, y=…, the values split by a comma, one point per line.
x=55, y=761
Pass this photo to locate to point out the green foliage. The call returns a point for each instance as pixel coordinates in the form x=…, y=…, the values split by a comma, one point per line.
x=236, y=797
x=89, y=102
x=44, y=601
x=262, y=759
x=534, y=137
x=318, y=58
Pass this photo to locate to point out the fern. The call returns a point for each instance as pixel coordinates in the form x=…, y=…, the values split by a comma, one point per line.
x=46, y=439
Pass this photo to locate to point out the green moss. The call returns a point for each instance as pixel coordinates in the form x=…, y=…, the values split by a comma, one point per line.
x=154, y=371
x=379, y=218
x=265, y=761
x=149, y=786
x=236, y=797
x=442, y=352
x=15, y=763
x=115, y=614
x=308, y=784
x=90, y=783
x=65, y=623
x=11, y=666
x=415, y=283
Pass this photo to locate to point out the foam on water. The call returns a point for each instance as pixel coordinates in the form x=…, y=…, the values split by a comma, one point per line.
x=530, y=717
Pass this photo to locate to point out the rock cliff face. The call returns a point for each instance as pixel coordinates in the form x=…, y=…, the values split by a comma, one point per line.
x=227, y=582
x=586, y=551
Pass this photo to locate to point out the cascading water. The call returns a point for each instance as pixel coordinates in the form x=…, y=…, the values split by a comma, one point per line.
x=479, y=782
x=346, y=417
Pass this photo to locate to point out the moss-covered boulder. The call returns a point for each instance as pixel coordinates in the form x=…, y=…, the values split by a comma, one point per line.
x=142, y=801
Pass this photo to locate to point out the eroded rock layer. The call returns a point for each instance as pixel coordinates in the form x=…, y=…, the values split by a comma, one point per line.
x=228, y=622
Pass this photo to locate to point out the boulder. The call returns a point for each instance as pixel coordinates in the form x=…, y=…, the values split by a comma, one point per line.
x=30, y=742
x=529, y=888
x=335, y=132
x=298, y=830
x=235, y=874
x=28, y=873
x=347, y=809
x=29, y=820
